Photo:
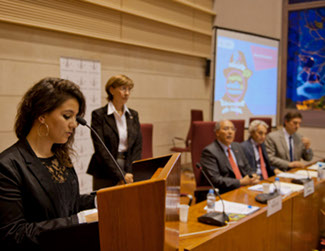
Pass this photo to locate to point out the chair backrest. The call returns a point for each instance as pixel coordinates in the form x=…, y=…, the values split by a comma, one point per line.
x=146, y=131
x=196, y=115
x=267, y=120
x=240, y=129
x=202, y=135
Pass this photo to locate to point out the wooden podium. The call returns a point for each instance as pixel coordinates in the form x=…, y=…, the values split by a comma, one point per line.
x=135, y=216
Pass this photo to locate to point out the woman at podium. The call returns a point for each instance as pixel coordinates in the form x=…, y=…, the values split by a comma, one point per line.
x=39, y=188
x=119, y=127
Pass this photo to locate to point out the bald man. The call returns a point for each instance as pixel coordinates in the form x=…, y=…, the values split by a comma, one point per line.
x=225, y=162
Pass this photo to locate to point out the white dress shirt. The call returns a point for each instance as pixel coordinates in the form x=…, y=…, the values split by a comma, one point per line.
x=287, y=135
x=121, y=126
x=257, y=157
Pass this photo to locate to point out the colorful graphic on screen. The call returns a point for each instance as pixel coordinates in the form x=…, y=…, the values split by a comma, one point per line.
x=245, y=76
x=306, y=60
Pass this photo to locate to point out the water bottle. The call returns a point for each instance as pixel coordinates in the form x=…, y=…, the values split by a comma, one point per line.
x=211, y=200
x=277, y=184
x=320, y=172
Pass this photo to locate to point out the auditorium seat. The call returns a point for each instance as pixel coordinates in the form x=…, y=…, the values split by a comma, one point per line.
x=146, y=131
x=240, y=129
x=196, y=115
x=202, y=135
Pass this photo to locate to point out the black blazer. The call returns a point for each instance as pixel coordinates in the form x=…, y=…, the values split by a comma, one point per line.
x=250, y=155
x=101, y=165
x=217, y=166
x=29, y=203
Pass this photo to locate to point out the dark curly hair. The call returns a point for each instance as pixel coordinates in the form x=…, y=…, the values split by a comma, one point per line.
x=44, y=97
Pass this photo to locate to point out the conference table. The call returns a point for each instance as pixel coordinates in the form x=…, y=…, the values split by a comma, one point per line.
x=297, y=226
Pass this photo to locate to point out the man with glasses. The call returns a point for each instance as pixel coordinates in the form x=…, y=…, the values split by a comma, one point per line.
x=286, y=147
x=224, y=160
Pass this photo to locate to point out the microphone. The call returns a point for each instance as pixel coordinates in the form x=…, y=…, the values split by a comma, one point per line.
x=213, y=218
x=303, y=180
x=264, y=197
x=83, y=122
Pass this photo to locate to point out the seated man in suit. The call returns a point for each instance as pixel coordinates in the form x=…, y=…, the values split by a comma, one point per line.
x=225, y=162
x=286, y=147
x=255, y=151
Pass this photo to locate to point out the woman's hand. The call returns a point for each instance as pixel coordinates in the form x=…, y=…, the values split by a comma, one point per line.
x=128, y=178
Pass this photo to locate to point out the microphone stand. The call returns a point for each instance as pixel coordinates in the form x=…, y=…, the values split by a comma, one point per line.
x=213, y=218
x=83, y=122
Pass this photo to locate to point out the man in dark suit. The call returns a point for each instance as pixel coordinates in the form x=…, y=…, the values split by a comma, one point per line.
x=255, y=151
x=225, y=162
x=286, y=147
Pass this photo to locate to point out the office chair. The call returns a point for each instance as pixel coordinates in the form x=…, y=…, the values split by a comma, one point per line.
x=202, y=135
x=146, y=131
x=196, y=115
x=240, y=129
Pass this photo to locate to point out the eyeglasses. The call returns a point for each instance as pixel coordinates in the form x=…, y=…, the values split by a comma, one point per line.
x=125, y=88
x=229, y=128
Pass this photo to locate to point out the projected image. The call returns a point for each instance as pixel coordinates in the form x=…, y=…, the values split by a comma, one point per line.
x=245, y=76
x=306, y=60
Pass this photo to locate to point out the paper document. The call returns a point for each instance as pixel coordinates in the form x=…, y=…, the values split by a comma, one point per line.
x=234, y=207
x=305, y=174
x=301, y=174
x=286, y=188
x=318, y=165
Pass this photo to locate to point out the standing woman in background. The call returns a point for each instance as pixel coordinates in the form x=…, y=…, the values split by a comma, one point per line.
x=39, y=188
x=119, y=128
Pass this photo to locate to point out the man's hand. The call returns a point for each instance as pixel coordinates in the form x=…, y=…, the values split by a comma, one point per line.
x=249, y=181
x=306, y=142
x=296, y=164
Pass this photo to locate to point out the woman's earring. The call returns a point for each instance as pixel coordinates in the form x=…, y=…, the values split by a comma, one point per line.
x=39, y=130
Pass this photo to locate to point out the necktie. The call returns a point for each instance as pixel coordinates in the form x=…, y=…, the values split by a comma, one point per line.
x=262, y=163
x=234, y=165
x=290, y=148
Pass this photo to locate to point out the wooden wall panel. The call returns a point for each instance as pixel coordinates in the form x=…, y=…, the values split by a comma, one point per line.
x=111, y=21
x=161, y=45
x=156, y=35
x=167, y=85
x=164, y=9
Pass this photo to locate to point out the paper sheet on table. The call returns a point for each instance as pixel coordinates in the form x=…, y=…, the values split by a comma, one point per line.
x=312, y=174
x=300, y=174
x=286, y=188
x=317, y=166
x=234, y=207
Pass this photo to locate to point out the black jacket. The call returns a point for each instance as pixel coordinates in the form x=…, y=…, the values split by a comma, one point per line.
x=29, y=203
x=217, y=166
x=101, y=165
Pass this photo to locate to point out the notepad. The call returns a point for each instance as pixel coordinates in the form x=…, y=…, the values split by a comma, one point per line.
x=235, y=208
x=318, y=165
